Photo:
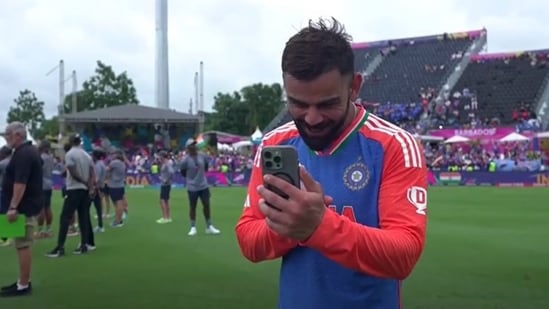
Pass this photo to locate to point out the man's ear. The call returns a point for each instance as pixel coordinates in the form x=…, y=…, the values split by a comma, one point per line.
x=356, y=85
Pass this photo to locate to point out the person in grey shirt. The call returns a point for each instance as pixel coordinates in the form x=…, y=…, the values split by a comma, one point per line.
x=116, y=173
x=80, y=188
x=46, y=216
x=166, y=174
x=5, y=155
x=194, y=167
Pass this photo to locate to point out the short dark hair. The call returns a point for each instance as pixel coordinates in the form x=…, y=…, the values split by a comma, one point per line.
x=317, y=49
x=98, y=154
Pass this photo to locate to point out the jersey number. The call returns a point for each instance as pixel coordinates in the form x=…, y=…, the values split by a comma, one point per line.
x=347, y=211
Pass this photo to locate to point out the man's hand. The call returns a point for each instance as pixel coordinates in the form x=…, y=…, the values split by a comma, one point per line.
x=298, y=216
x=12, y=215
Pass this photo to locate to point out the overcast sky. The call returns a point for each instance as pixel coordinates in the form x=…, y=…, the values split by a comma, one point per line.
x=240, y=41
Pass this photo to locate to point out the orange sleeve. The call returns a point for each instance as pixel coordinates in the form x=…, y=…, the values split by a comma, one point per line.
x=257, y=242
x=392, y=250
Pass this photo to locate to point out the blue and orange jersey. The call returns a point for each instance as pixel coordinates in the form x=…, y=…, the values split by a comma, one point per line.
x=372, y=236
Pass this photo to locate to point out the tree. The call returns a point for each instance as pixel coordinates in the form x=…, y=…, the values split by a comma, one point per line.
x=49, y=129
x=28, y=110
x=104, y=89
x=241, y=112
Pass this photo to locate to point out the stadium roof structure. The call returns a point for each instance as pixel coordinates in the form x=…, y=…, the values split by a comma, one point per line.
x=130, y=113
x=418, y=39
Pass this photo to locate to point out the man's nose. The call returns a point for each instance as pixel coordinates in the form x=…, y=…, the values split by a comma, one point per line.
x=313, y=117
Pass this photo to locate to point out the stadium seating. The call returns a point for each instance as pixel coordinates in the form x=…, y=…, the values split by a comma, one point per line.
x=413, y=65
x=505, y=82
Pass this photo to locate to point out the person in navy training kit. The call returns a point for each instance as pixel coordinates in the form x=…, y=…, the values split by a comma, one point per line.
x=356, y=227
x=116, y=173
x=166, y=174
x=194, y=167
x=22, y=187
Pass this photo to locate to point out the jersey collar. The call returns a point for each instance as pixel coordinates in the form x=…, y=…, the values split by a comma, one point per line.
x=357, y=122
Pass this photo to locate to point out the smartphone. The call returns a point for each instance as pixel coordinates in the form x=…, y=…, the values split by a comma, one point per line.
x=281, y=161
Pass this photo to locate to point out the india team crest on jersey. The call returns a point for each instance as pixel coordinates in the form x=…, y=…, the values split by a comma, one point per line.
x=356, y=176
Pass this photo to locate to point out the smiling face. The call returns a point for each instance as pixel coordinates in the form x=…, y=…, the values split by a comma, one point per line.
x=322, y=108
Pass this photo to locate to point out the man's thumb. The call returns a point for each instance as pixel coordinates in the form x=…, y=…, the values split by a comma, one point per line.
x=308, y=182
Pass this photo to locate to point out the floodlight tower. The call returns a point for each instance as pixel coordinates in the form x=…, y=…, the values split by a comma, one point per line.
x=162, y=70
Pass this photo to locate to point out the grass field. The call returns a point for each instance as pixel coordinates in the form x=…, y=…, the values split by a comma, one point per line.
x=486, y=248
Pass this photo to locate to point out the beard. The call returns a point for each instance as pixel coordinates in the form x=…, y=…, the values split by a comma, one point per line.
x=320, y=142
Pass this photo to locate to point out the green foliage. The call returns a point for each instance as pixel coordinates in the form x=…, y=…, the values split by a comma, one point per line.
x=241, y=112
x=28, y=110
x=104, y=89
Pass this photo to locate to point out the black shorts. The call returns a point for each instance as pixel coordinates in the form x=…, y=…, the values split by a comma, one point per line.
x=47, y=198
x=117, y=194
x=165, y=192
x=204, y=196
x=64, y=192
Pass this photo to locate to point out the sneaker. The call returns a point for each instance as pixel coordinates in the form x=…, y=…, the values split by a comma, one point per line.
x=163, y=220
x=8, y=287
x=192, y=232
x=13, y=290
x=5, y=243
x=212, y=230
x=99, y=229
x=117, y=224
x=55, y=253
x=78, y=249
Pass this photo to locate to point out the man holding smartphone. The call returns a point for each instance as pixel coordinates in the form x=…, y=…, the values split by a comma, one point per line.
x=356, y=227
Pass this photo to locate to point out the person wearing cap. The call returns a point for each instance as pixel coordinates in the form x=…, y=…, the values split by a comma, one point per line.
x=22, y=191
x=5, y=155
x=166, y=174
x=194, y=167
x=46, y=217
x=80, y=187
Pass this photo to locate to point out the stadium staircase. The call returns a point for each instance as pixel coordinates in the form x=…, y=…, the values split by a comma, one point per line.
x=453, y=77
x=501, y=83
x=542, y=109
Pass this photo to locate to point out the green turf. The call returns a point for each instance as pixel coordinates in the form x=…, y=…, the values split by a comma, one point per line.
x=486, y=248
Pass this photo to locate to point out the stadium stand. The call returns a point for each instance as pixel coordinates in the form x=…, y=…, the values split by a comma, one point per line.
x=412, y=66
x=496, y=88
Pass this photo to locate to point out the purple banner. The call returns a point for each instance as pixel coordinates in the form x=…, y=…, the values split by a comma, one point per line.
x=482, y=133
x=498, y=179
x=141, y=180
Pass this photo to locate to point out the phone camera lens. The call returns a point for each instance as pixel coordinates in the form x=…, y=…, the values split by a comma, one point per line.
x=277, y=159
x=268, y=154
x=268, y=164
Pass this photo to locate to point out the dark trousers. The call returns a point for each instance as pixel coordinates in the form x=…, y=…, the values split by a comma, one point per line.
x=78, y=200
x=98, y=204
